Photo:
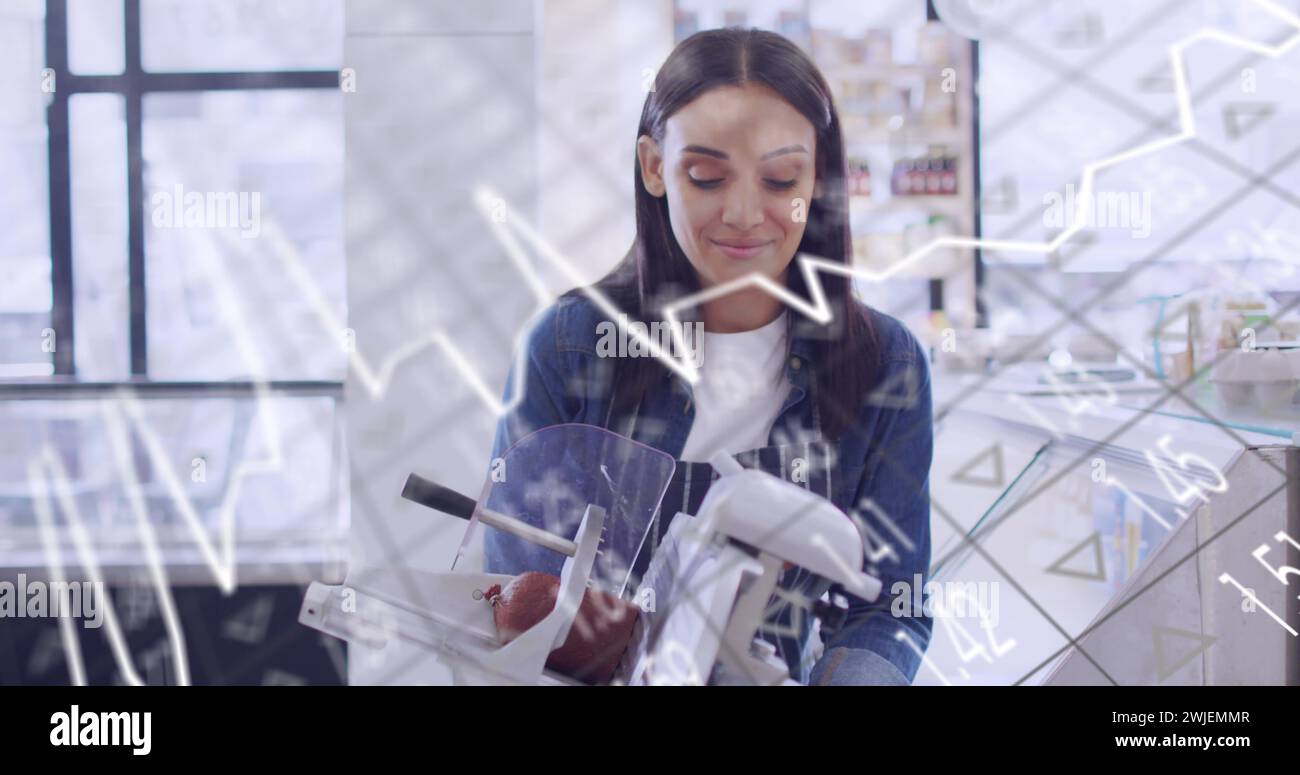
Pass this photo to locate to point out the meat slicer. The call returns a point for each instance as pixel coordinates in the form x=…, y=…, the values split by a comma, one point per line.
x=579, y=502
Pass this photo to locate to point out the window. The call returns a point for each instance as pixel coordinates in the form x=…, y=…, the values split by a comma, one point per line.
x=194, y=161
x=167, y=263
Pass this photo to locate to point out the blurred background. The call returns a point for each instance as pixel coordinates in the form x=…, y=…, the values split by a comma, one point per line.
x=251, y=277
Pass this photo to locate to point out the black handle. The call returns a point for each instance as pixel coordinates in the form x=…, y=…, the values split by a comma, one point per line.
x=437, y=497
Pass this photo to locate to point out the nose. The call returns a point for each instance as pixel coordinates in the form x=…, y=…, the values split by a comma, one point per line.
x=743, y=209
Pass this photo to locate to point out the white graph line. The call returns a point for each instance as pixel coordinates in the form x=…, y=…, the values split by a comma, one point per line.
x=811, y=266
x=54, y=561
x=222, y=564
x=488, y=203
x=119, y=441
x=54, y=473
x=376, y=382
x=49, y=462
x=820, y=312
x=501, y=220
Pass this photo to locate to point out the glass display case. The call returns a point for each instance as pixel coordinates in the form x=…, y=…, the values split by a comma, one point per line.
x=198, y=511
x=251, y=481
x=1131, y=542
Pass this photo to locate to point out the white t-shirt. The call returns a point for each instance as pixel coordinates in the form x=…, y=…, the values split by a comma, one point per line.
x=740, y=392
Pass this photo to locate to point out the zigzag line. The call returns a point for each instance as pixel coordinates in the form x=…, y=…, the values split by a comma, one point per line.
x=820, y=312
x=222, y=563
x=46, y=470
x=222, y=566
x=491, y=207
x=811, y=266
x=376, y=383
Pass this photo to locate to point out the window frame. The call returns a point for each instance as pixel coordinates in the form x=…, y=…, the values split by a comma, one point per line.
x=133, y=83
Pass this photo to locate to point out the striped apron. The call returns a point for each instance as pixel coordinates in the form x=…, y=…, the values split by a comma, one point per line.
x=788, y=617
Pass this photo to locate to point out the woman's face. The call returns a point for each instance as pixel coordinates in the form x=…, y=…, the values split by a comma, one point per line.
x=737, y=167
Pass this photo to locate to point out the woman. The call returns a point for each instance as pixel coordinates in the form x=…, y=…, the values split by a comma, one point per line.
x=740, y=166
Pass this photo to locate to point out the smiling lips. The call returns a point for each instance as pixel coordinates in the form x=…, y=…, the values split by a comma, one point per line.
x=741, y=248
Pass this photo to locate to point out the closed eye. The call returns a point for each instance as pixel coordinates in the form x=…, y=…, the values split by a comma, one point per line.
x=781, y=184
x=706, y=183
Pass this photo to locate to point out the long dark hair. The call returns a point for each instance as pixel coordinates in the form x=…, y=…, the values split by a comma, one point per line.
x=656, y=271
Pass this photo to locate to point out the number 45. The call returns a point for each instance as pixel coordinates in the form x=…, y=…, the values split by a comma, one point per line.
x=1285, y=570
x=1174, y=479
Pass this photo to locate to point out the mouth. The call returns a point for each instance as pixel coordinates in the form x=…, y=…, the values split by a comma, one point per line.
x=741, y=249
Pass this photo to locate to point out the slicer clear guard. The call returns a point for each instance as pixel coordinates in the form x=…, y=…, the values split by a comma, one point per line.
x=549, y=477
x=585, y=492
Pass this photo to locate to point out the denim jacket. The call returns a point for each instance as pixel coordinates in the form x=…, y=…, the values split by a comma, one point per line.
x=881, y=469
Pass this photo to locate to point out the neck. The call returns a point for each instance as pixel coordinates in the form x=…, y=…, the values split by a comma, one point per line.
x=744, y=310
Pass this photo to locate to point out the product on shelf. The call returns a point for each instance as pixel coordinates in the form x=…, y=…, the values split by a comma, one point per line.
x=859, y=178
x=934, y=175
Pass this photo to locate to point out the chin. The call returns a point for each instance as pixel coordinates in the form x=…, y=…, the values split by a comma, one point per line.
x=730, y=269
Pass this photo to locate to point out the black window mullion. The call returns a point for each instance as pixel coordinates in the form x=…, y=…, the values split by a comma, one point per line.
x=174, y=82
x=60, y=190
x=147, y=82
x=135, y=192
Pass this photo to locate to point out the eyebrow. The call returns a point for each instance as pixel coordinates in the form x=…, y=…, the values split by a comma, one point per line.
x=705, y=151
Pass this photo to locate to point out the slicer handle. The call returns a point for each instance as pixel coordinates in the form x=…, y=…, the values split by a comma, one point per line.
x=437, y=497
x=447, y=500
